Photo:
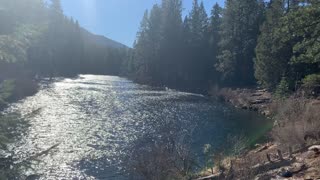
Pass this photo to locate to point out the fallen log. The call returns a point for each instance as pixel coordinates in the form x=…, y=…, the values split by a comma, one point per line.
x=213, y=176
x=258, y=169
x=262, y=149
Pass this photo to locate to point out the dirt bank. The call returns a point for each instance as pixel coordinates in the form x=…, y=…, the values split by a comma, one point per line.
x=267, y=161
x=259, y=100
x=297, y=117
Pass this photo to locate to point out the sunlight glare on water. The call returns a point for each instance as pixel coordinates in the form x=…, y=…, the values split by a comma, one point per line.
x=93, y=119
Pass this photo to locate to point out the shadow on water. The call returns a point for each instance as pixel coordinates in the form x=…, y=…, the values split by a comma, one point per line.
x=12, y=128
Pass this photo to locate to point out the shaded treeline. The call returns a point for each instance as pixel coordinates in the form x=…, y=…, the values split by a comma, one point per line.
x=248, y=42
x=37, y=36
x=37, y=40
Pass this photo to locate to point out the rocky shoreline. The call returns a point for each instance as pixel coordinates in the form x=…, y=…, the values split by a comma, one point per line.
x=259, y=100
x=269, y=160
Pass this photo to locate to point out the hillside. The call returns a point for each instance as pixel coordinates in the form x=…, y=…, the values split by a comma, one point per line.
x=101, y=40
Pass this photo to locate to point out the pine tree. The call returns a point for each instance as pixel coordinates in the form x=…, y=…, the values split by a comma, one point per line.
x=141, y=50
x=198, y=60
x=155, y=35
x=240, y=29
x=187, y=51
x=287, y=47
x=56, y=7
x=203, y=20
x=147, y=47
x=214, y=39
x=271, y=61
x=195, y=23
x=171, y=41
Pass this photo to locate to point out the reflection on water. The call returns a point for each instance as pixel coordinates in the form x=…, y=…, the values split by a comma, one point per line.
x=94, y=119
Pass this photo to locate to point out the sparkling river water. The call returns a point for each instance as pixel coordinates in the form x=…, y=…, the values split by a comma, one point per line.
x=93, y=120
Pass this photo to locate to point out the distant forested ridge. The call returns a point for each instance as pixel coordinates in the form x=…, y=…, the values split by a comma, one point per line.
x=274, y=44
x=37, y=40
x=36, y=36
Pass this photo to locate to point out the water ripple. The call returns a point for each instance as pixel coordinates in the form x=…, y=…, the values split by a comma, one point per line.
x=95, y=118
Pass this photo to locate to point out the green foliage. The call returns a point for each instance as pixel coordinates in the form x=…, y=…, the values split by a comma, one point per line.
x=271, y=61
x=214, y=39
x=158, y=41
x=238, y=43
x=14, y=47
x=283, y=89
x=171, y=52
x=39, y=38
x=311, y=84
x=239, y=33
x=208, y=152
x=304, y=24
x=288, y=44
x=246, y=41
x=311, y=80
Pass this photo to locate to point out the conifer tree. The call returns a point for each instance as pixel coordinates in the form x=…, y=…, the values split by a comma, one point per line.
x=171, y=41
x=198, y=62
x=287, y=48
x=214, y=39
x=140, y=49
x=271, y=62
x=240, y=29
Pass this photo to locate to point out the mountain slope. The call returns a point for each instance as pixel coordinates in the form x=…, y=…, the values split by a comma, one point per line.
x=101, y=40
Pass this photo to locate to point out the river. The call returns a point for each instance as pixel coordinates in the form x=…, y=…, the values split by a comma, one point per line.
x=94, y=119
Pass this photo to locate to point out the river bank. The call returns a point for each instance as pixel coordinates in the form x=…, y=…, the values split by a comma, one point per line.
x=266, y=162
x=254, y=99
x=14, y=89
x=292, y=150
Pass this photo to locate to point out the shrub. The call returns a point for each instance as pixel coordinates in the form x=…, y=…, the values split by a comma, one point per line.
x=283, y=89
x=296, y=119
x=311, y=84
x=165, y=157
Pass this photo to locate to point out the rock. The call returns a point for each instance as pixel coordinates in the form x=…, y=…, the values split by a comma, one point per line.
x=257, y=94
x=262, y=90
x=244, y=107
x=286, y=174
x=266, y=112
x=257, y=101
x=315, y=148
x=297, y=168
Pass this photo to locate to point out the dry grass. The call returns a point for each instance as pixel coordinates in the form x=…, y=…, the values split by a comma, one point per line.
x=297, y=122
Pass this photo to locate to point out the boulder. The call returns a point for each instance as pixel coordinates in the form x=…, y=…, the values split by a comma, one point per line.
x=286, y=174
x=315, y=149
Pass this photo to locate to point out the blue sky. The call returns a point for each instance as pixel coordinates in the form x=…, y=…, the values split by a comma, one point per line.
x=116, y=19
